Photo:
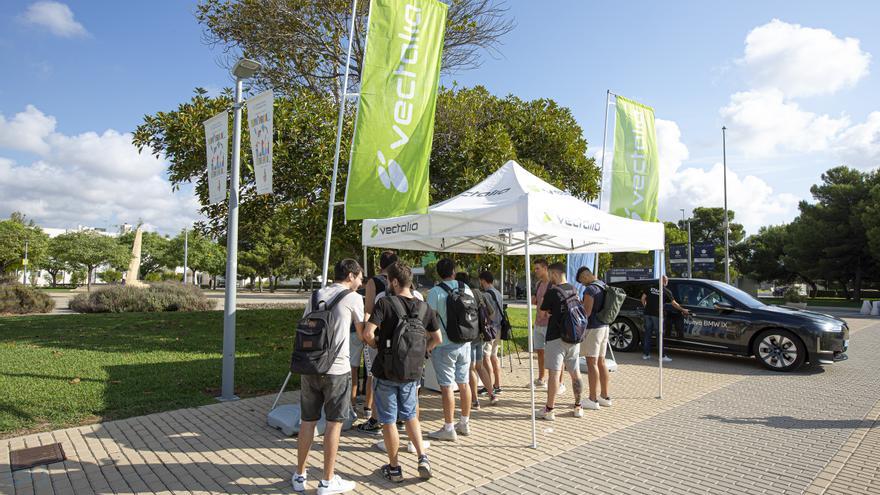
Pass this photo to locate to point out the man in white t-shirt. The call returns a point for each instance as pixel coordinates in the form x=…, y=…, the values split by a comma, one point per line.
x=332, y=390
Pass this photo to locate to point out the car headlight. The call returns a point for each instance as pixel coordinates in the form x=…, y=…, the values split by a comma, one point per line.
x=830, y=327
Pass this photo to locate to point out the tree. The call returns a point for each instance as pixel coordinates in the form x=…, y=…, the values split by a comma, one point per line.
x=475, y=132
x=153, y=252
x=762, y=256
x=14, y=234
x=302, y=44
x=54, y=262
x=89, y=249
x=204, y=254
x=707, y=225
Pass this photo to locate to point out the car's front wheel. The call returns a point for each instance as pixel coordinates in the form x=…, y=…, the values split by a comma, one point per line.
x=779, y=350
x=623, y=335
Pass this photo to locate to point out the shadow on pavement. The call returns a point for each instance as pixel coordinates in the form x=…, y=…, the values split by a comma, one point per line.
x=791, y=423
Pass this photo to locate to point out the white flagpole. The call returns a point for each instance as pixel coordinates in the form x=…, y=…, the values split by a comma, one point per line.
x=331, y=203
x=602, y=169
x=531, y=344
x=660, y=331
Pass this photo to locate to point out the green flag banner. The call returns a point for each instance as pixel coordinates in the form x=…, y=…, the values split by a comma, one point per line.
x=394, y=128
x=635, y=173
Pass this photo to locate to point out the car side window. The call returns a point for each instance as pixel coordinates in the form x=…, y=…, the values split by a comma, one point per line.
x=692, y=294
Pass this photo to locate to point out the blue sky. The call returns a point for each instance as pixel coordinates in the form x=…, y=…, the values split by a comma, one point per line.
x=797, y=104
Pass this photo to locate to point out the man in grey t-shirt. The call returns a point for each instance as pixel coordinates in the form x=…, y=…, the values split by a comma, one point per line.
x=332, y=390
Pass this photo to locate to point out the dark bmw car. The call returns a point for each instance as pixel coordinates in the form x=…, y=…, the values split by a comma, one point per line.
x=725, y=319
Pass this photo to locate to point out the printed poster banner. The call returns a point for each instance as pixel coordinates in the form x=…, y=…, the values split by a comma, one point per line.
x=217, y=151
x=635, y=169
x=394, y=127
x=259, y=111
x=704, y=256
x=678, y=254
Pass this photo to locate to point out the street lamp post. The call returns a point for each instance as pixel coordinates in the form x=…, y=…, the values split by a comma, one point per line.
x=690, y=263
x=25, y=264
x=185, y=252
x=244, y=69
x=726, y=220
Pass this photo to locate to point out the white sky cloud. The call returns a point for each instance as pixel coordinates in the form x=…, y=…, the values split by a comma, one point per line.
x=802, y=61
x=859, y=145
x=89, y=179
x=56, y=17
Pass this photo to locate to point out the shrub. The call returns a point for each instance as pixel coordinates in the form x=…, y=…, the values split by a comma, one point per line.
x=20, y=299
x=157, y=297
x=792, y=295
x=153, y=277
x=110, y=276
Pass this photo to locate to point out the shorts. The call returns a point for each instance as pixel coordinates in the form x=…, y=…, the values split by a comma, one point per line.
x=490, y=349
x=356, y=350
x=539, y=337
x=476, y=351
x=559, y=353
x=595, y=342
x=452, y=363
x=330, y=392
x=393, y=401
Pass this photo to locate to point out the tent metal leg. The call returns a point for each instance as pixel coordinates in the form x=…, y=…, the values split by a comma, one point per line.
x=660, y=330
x=283, y=386
x=531, y=343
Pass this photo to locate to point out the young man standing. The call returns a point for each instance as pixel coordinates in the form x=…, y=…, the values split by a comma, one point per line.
x=541, y=320
x=393, y=398
x=559, y=354
x=331, y=391
x=375, y=286
x=478, y=369
x=451, y=360
x=595, y=341
x=651, y=302
x=490, y=349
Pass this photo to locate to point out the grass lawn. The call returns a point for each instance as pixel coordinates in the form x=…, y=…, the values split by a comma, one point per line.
x=59, y=371
x=830, y=302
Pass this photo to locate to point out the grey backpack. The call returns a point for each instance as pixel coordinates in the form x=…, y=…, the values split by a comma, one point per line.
x=614, y=297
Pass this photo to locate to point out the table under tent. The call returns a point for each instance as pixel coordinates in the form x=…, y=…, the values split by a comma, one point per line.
x=514, y=213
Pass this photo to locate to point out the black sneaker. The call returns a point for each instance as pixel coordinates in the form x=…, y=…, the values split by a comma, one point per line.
x=482, y=391
x=424, y=467
x=371, y=426
x=401, y=427
x=497, y=390
x=395, y=474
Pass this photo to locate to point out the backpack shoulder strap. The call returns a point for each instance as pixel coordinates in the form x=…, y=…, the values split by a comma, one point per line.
x=445, y=287
x=398, y=307
x=314, y=301
x=338, y=298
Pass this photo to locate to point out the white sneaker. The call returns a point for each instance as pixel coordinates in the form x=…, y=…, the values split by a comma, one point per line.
x=578, y=412
x=463, y=429
x=667, y=359
x=493, y=401
x=299, y=482
x=605, y=402
x=411, y=447
x=561, y=390
x=547, y=415
x=646, y=356
x=380, y=446
x=336, y=485
x=539, y=383
x=588, y=404
x=445, y=435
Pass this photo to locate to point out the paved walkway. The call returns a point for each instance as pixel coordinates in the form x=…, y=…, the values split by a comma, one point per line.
x=724, y=426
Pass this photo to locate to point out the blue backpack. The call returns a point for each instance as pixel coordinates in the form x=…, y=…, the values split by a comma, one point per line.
x=574, y=319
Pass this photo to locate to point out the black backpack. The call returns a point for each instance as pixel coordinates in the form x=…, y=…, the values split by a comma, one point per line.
x=487, y=330
x=574, y=318
x=506, y=329
x=403, y=355
x=463, y=321
x=312, y=352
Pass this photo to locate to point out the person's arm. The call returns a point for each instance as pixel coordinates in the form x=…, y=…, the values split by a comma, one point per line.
x=588, y=303
x=547, y=303
x=679, y=308
x=535, y=295
x=644, y=299
x=369, y=299
x=357, y=314
x=433, y=328
x=369, y=332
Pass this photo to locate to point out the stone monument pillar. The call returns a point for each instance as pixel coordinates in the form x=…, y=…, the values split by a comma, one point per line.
x=134, y=266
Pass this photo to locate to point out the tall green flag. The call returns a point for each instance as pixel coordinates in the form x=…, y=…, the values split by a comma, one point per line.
x=388, y=173
x=635, y=172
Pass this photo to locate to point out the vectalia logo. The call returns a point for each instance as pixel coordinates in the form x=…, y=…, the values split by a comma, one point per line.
x=484, y=194
x=397, y=228
x=577, y=223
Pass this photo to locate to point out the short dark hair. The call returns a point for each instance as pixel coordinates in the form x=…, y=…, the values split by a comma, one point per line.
x=580, y=271
x=557, y=267
x=487, y=276
x=345, y=268
x=401, y=272
x=463, y=277
x=540, y=261
x=445, y=268
x=386, y=259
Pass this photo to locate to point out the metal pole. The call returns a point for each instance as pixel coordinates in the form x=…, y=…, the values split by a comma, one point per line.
x=185, y=253
x=24, y=268
x=228, y=384
x=331, y=203
x=726, y=220
x=690, y=254
x=366, y=269
x=531, y=344
x=604, y=143
x=501, y=347
x=660, y=330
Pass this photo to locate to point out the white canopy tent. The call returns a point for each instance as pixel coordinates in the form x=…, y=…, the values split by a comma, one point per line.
x=513, y=212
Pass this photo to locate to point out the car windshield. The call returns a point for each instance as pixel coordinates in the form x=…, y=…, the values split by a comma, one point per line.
x=743, y=297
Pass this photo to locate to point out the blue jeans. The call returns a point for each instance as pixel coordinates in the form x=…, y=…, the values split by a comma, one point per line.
x=452, y=363
x=652, y=324
x=476, y=351
x=395, y=400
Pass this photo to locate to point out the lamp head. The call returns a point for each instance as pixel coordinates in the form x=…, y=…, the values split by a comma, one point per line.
x=245, y=68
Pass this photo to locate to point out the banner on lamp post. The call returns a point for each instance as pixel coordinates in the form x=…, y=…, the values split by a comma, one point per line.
x=217, y=152
x=704, y=256
x=635, y=168
x=394, y=127
x=259, y=111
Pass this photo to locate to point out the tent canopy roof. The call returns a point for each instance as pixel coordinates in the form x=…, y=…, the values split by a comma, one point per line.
x=494, y=216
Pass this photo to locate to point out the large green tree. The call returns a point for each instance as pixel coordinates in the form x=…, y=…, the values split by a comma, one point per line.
x=54, y=263
x=88, y=249
x=302, y=44
x=203, y=254
x=707, y=225
x=475, y=132
x=762, y=256
x=16, y=233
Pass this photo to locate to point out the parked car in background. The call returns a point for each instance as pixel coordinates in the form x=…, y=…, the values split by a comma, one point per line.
x=725, y=319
